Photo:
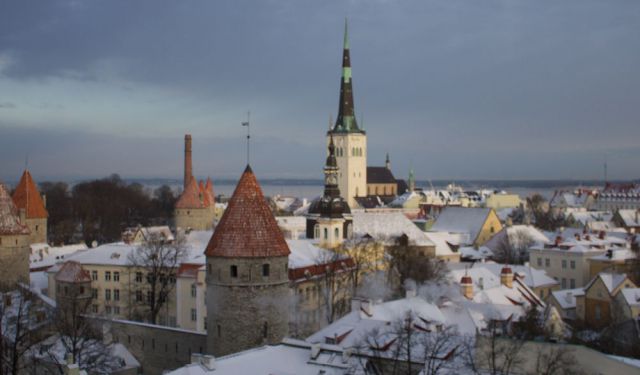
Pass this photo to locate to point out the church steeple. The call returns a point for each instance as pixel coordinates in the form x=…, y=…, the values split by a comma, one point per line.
x=331, y=172
x=346, y=120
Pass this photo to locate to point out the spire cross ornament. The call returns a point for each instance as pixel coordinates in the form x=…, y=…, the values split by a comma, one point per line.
x=248, y=125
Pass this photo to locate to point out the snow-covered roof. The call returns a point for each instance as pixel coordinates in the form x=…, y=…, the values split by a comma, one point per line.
x=518, y=237
x=388, y=226
x=471, y=253
x=611, y=280
x=567, y=297
x=631, y=218
x=287, y=222
x=532, y=277
x=43, y=255
x=631, y=296
x=462, y=220
x=288, y=358
x=442, y=241
x=305, y=253
x=586, y=217
x=617, y=255
x=162, y=231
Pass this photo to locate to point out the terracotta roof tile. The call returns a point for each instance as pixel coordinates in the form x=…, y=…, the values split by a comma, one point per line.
x=9, y=219
x=28, y=197
x=190, y=197
x=247, y=227
x=72, y=272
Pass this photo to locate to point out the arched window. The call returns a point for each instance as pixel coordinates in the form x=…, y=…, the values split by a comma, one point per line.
x=336, y=233
x=326, y=234
x=316, y=231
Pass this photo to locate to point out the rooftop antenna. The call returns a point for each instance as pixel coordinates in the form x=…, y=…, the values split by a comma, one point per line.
x=248, y=125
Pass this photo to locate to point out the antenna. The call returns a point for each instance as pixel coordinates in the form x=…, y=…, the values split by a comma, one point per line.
x=248, y=125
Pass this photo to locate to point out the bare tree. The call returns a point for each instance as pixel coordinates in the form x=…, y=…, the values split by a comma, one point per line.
x=496, y=354
x=335, y=271
x=155, y=264
x=555, y=360
x=513, y=248
x=22, y=322
x=366, y=255
x=409, y=261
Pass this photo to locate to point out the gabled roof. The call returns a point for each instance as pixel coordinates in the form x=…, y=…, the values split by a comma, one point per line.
x=9, y=219
x=72, y=272
x=27, y=197
x=462, y=220
x=380, y=175
x=610, y=280
x=190, y=197
x=247, y=227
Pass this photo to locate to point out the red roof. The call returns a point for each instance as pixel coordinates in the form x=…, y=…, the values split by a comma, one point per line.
x=72, y=272
x=188, y=270
x=247, y=227
x=9, y=219
x=190, y=197
x=28, y=197
x=209, y=191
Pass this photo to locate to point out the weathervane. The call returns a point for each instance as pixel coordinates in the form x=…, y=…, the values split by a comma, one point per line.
x=248, y=125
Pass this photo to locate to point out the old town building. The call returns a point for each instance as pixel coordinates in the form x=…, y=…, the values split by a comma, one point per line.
x=27, y=197
x=14, y=242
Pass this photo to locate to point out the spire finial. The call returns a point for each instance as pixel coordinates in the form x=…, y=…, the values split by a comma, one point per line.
x=248, y=125
x=346, y=34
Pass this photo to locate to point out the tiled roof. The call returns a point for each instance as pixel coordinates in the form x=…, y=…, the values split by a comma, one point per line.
x=380, y=175
x=209, y=190
x=9, y=219
x=247, y=227
x=72, y=272
x=28, y=197
x=190, y=197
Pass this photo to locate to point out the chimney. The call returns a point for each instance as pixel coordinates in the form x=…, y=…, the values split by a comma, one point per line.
x=466, y=286
x=506, y=277
x=188, y=170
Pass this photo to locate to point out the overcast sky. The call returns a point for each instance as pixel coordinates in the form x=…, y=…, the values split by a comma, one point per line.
x=457, y=89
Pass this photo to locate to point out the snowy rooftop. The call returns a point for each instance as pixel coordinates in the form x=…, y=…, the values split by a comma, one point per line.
x=388, y=226
x=305, y=253
x=567, y=297
x=610, y=280
x=461, y=220
x=43, y=255
x=631, y=296
x=532, y=277
x=288, y=358
x=631, y=218
x=442, y=241
x=518, y=236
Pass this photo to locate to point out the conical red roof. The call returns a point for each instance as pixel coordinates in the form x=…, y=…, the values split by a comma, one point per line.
x=28, y=197
x=247, y=227
x=209, y=189
x=190, y=197
x=9, y=219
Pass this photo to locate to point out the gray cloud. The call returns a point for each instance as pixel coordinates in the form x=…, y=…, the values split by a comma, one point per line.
x=456, y=89
x=7, y=105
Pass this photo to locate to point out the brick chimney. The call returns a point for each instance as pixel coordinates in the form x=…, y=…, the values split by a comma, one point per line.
x=188, y=170
x=506, y=277
x=466, y=286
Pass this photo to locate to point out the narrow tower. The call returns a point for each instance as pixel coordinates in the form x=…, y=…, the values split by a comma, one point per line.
x=247, y=274
x=28, y=200
x=14, y=243
x=188, y=168
x=329, y=218
x=350, y=140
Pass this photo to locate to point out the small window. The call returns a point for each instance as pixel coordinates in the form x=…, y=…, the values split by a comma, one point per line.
x=94, y=293
x=265, y=330
x=573, y=264
x=572, y=283
x=107, y=276
x=265, y=270
x=564, y=263
x=116, y=294
x=107, y=294
x=326, y=234
x=316, y=231
x=234, y=271
x=94, y=275
x=194, y=315
x=564, y=283
x=193, y=290
x=539, y=262
x=138, y=277
x=598, y=313
x=336, y=233
x=547, y=262
x=138, y=296
x=116, y=310
x=116, y=276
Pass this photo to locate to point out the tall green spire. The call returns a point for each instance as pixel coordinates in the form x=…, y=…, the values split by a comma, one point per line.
x=346, y=120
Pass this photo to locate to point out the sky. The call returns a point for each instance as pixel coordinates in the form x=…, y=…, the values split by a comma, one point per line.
x=455, y=89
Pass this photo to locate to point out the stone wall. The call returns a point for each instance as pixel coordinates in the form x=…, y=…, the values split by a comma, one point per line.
x=194, y=218
x=157, y=348
x=248, y=310
x=38, y=229
x=14, y=260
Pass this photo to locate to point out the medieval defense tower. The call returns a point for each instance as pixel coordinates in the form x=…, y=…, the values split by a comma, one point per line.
x=247, y=274
x=14, y=243
x=350, y=140
x=29, y=202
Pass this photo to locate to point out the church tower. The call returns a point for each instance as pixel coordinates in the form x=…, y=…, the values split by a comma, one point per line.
x=350, y=140
x=247, y=274
x=329, y=219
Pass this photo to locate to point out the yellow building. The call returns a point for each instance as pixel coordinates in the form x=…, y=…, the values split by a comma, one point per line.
x=596, y=306
x=500, y=201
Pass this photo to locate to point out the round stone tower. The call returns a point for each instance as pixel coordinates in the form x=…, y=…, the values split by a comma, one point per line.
x=14, y=243
x=247, y=274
